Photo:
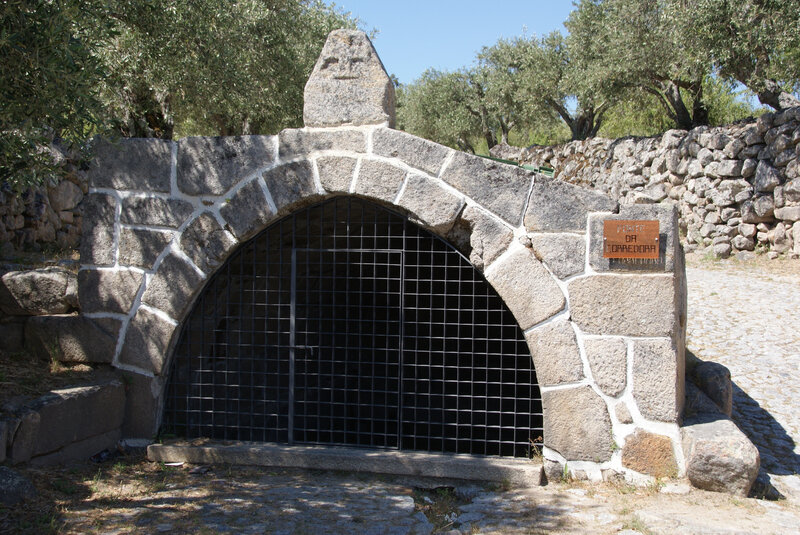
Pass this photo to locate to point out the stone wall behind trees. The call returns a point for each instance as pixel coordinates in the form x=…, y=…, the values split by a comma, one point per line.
x=737, y=186
x=47, y=215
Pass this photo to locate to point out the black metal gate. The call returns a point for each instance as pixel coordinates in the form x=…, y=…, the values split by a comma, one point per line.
x=347, y=324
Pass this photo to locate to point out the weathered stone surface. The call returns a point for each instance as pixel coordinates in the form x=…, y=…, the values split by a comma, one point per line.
x=23, y=441
x=213, y=165
x=72, y=338
x=714, y=380
x=767, y=177
x=3, y=441
x=530, y=292
x=336, y=173
x=131, y=164
x=348, y=84
x=498, y=187
x=206, y=242
x=105, y=290
x=379, y=180
x=172, y=287
x=73, y=414
x=294, y=142
x=154, y=211
x=480, y=236
x=247, y=212
x=414, y=151
x=50, y=290
x=658, y=379
x=80, y=449
x=749, y=214
x=564, y=254
x=623, y=413
x=788, y=213
x=577, y=424
x=432, y=205
x=556, y=357
x=668, y=237
x=764, y=206
x=142, y=409
x=97, y=236
x=290, y=183
x=719, y=457
x=608, y=360
x=602, y=304
x=147, y=342
x=140, y=248
x=64, y=196
x=14, y=488
x=650, y=454
x=558, y=206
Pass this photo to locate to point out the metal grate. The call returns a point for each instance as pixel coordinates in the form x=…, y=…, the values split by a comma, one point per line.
x=347, y=324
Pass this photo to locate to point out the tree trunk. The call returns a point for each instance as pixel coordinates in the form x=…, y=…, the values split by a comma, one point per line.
x=672, y=94
x=773, y=95
x=699, y=108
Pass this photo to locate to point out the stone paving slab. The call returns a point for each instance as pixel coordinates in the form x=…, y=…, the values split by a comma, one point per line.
x=749, y=320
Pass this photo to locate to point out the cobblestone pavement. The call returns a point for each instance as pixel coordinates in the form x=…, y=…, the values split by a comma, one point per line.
x=748, y=319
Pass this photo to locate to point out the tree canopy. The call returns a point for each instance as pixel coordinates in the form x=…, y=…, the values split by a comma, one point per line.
x=151, y=68
x=626, y=67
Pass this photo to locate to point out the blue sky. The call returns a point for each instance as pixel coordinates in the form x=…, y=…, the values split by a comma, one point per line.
x=446, y=34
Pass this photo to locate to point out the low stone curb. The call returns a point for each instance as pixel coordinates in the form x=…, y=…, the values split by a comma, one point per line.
x=514, y=472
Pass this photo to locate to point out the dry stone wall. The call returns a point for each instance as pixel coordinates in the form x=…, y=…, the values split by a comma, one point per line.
x=737, y=187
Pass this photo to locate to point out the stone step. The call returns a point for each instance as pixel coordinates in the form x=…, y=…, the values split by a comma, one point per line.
x=67, y=424
x=508, y=471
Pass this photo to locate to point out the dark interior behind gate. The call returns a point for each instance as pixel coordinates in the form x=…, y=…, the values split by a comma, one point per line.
x=347, y=324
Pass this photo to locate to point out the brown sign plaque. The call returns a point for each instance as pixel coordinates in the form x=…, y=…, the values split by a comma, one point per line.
x=630, y=239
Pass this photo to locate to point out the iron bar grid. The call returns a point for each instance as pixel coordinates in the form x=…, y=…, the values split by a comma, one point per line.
x=346, y=324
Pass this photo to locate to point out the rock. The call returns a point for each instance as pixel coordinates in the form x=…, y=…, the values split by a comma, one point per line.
x=213, y=165
x=12, y=333
x=792, y=190
x=379, y=180
x=653, y=316
x=722, y=250
x=658, y=379
x=97, y=241
x=719, y=457
x=557, y=206
x=608, y=361
x=419, y=153
x=749, y=214
x=22, y=441
x=147, y=341
x=247, y=212
x=14, y=488
x=764, y=206
x=155, y=211
x=767, y=177
x=788, y=213
x=290, y=183
x=563, y=254
x=500, y=188
x=64, y=196
x=108, y=290
x=577, y=424
x=480, y=236
x=50, y=290
x=730, y=168
x=173, y=286
x=623, y=413
x=555, y=352
x=749, y=167
x=72, y=338
x=741, y=243
x=336, y=173
x=297, y=142
x=714, y=380
x=348, y=84
x=431, y=205
x=650, y=454
x=530, y=292
x=747, y=230
x=140, y=247
x=139, y=164
x=206, y=243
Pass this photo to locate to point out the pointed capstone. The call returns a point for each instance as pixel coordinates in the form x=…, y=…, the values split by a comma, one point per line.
x=349, y=85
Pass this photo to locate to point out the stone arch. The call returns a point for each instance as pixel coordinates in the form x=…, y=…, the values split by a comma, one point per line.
x=606, y=337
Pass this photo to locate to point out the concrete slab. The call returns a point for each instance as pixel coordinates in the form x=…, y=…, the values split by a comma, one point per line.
x=514, y=472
